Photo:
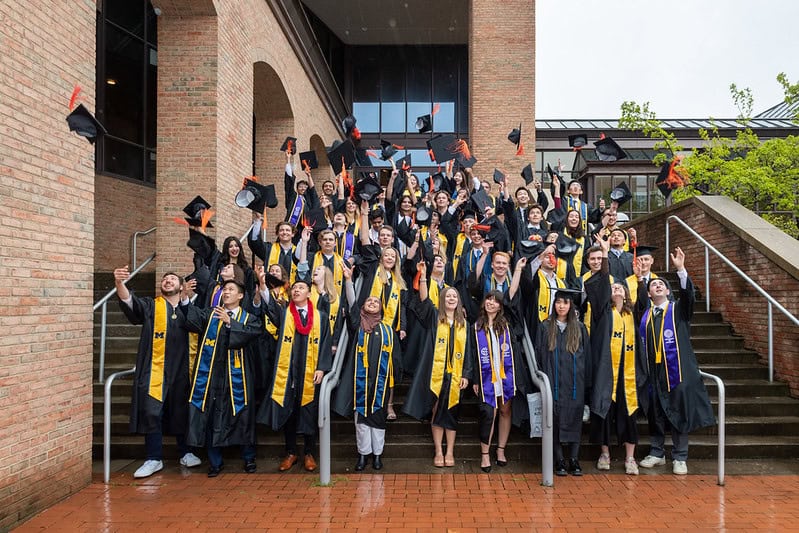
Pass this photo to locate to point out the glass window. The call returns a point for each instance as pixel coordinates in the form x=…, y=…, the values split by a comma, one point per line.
x=368, y=114
x=602, y=187
x=656, y=199
x=123, y=158
x=418, y=109
x=638, y=187
x=124, y=69
x=128, y=14
x=392, y=117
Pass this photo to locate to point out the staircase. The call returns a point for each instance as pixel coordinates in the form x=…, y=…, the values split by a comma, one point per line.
x=762, y=420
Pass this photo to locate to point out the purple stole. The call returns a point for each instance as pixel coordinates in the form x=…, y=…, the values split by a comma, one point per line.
x=665, y=343
x=297, y=211
x=485, y=355
x=345, y=245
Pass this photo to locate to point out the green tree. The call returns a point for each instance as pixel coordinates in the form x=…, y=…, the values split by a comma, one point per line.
x=762, y=176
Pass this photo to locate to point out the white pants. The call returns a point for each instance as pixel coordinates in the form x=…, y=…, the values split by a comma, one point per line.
x=369, y=439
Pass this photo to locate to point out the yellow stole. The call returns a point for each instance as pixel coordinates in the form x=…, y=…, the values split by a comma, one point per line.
x=587, y=316
x=623, y=338
x=274, y=259
x=451, y=363
x=460, y=240
x=338, y=272
x=270, y=326
x=194, y=341
x=433, y=291
x=159, y=349
x=632, y=285
x=545, y=296
x=334, y=306
x=577, y=259
x=390, y=309
x=284, y=358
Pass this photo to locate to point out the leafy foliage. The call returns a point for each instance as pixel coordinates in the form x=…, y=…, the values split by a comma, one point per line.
x=762, y=176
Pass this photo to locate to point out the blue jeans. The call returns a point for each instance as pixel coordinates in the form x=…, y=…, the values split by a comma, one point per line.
x=215, y=454
x=153, y=445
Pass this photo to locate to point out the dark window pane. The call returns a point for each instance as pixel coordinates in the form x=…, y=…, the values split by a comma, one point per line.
x=150, y=161
x=365, y=75
x=445, y=87
x=152, y=25
x=152, y=97
x=656, y=199
x=638, y=187
x=368, y=115
x=420, y=72
x=123, y=159
x=124, y=71
x=392, y=76
x=128, y=14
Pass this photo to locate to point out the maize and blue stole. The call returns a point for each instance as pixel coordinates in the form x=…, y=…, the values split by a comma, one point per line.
x=345, y=244
x=582, y=208
x=664, y=342
x=488, y=373
x=545, y=294
x=297, y=210
x=622, y=342
x=385, y=375
x=216, y=295
x=156, y=388
x=237, y=378
x=460, y=240
x=448, y=358
x=390, y=299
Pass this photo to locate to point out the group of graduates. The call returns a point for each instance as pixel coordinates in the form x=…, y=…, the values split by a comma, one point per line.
x=435, y=283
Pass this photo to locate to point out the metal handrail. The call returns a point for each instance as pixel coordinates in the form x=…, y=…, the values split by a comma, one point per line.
x=107, y=421
x=136, y=236
x=330, y=382
x=750, y=281
x=722, y=424
x=103, y=302
x=542, y=382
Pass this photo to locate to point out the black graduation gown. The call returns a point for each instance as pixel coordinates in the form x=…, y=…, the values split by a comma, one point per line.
x=343, y=394
x=145, y=410
x=227, y=429
x=262, y=251
x=620, y=267
x=687, y=405
x=420, y=400
x=573, y=373
x=273, y=414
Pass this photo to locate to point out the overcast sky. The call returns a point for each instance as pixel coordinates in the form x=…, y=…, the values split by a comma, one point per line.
x=679, y=55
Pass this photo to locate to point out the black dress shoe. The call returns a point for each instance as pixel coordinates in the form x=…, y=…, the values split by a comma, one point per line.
x=574, y=468
x=214, y=471
x=377, y=464
x=249, y=466
x=361, y=464
x=501, y=463
x=486, y=469
x=560, y=469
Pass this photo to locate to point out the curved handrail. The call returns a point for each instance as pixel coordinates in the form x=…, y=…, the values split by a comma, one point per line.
x=750, y=281
x=107, y=421
x=542, y=382
x=722, y=423
x=103, y=302
x=330, y=382
x=136, y=236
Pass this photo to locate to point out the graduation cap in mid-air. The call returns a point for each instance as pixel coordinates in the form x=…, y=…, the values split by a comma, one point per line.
x=387, y=150
x=368, y=189
x=423, y=215
x=256, y=197
x=341, y=151
x=515, y=136
x=481, y=200
x=499, y=176
x=531, y=249
x=404, y=163
x=289, y=145
x=194, y=211
x=621, y=194
x=565, y=246
x=309, y=161
x=528, y=174
x=608, y=150
x=424, y=123
x=577, y=141
x=441, y=147
x=669, y=178
x=82, y=122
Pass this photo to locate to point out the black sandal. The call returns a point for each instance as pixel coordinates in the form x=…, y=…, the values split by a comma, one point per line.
x=501, y=463
x=486, y=469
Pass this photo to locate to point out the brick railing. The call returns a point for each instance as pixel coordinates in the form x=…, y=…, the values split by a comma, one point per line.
x=764, y=253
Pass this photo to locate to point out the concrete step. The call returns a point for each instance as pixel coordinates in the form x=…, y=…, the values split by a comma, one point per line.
x=716, y=329
x=710, y=356
x=734, y=371
x=705, y=317
x=702, y=341
x=118, y=344
x=747, y=388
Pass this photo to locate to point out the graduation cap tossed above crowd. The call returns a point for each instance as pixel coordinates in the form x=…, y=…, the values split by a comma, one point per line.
x=308, y=160
x=608, y=150
x=671, y=177
x=528, y=174
x=341, y=152
x=441, y=148
x=481, y=200
x=424, y=123
x=531, y=249
x=436, y=181
x=198, y=213
x=499, y=176
x=368, y=189
x=578, y=140
x=256, y=197
x=423, y=215
x=621, y=194
x=289, y=145
x=565, y=246
x=404, y=163
x=552, y=173
x=387, y=150
x=464, y=155
x=81, y=121
x=350, y=131
x=515, y=136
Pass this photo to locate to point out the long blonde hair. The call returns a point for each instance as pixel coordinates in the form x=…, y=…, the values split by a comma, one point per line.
x=383, y=274
x=459, y=315
x=329, y=284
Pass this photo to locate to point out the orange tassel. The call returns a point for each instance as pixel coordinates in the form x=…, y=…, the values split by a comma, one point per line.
x=372, y=153
x=398, y=147
x=356, y=134
x=460, y=147
x=520, y=151
x=181, y=221
x=416, y=279
x=290, y=146
x=74, y=98
x=436, y=109
x=264, y=224
x=430, y=153
x=206, y=217
x=306, y=165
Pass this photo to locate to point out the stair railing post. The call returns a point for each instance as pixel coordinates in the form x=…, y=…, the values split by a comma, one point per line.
x=103, y=324
x=707, y=279
x=107, y=421
x=770, y=344
x=667, y=244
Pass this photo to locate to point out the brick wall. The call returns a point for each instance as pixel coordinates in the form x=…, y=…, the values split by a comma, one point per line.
x=46, y=256
x=121, y=208
x=501, y=84
x=764, y=253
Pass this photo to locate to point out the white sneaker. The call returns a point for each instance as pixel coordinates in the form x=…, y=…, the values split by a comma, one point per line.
x=189, y=460
x=679, y=468
x=650, y=460
x=149, y=468
x=603, y=463
x=631, y=467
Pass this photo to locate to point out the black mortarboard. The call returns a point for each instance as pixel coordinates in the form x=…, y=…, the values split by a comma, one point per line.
x=404, y=163
x=255, y=196
x=442, y=147
x=469, y=213
x=309, y=159
x=273, y=282
x=621, y=194
x=423, y=215
x=194, y=211
x=642, y=249
x=438, y=181
x=557, y=173
x=608, y=150
x=362, y=158
x=481, y=200
x=316, y=219
x=348, y=124
x=368, y=189
x=528, y=174
x=571, y=294
x=465, y=162
x=578, y=140
x=491, y=231
x=424, y=123
x=82, y=122
x=668, y=179
x=565, y=246
x=341, y=150
x=387, y=151
x=499, y=176
x=515, y=136
x=289, y=144
x=531, y=249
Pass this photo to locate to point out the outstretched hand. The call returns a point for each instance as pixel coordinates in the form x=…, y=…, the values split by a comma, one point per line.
x=678, y=259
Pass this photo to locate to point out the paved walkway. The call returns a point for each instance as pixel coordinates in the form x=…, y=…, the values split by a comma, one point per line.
x=188, y=501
